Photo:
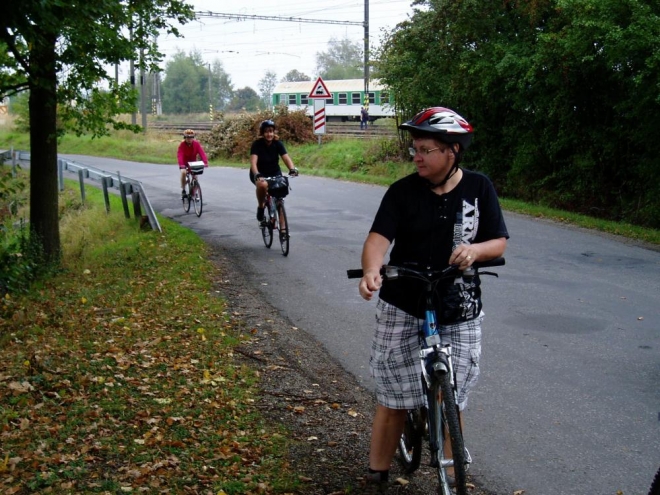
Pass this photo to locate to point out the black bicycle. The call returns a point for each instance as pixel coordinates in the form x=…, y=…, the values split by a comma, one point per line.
x=275, y=213
x=439, y=421
x=193, y=189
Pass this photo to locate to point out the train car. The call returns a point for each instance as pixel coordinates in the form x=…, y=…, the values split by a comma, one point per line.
x=348, y=96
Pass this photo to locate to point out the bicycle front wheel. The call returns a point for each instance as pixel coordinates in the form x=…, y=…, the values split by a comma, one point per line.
x=283, y=228
x=197, y=198
x=447, y=427
x=267, y=228
x=410, y=443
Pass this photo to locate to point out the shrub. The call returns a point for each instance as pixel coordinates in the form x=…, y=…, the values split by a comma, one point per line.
x=232, y=137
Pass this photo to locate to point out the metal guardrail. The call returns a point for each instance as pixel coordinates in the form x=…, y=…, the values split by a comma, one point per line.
x=125, y=185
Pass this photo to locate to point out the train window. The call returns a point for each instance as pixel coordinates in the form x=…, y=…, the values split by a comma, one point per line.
x=372, y=97
x=356, y=99
x=292, y=99
x=384, y=97
x=343, y=98
x=304, y=100
x=329, y=101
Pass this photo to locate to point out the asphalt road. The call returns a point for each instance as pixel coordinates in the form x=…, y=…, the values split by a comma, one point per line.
x=569, y=397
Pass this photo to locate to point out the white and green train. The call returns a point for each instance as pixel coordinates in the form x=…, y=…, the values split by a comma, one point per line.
x=348, y=96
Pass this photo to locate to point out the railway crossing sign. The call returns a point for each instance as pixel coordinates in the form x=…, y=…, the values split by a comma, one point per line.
x=319, y=90
x=319, y=117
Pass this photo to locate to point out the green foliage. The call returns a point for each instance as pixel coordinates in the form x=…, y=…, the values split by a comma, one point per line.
x=233, y=137
x=245, y=100
x=18, y=106
x=564, y=95
x=295, y=76
x=190, y=85
x=266, y=86
x=19, y=257
x=344, y=59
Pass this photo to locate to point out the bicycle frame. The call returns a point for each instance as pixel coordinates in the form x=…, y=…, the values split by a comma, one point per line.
x=441, y=417
x=275, y=219
x=194, y=190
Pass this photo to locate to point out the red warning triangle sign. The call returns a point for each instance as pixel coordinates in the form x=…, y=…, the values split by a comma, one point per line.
x=319, y=90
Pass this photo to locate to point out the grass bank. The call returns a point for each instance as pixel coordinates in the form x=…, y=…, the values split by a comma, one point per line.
x=118, y=372
x=371, y=161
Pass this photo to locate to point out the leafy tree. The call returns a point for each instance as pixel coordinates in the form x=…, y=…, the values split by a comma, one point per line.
x=295, y=76
x=266, y=86
x=245, y=99
x=185, y=84
x=564, y=95
x=343, y=60
x=59, y=51
x=222, y=87
x=187, y=78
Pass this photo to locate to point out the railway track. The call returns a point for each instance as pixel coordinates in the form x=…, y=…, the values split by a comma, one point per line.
x=348, y=130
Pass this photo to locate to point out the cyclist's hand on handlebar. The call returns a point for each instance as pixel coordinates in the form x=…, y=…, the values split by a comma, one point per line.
x=370, y=283
x=294, y=172
x=258, y=177
x=463, y=256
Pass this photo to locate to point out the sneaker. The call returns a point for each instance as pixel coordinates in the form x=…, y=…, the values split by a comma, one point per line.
x=372, y=484
x=183, y=194
x=260, y=214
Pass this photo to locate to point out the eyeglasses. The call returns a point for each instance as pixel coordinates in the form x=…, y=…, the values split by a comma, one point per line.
x=189, y=137
x=424, y=151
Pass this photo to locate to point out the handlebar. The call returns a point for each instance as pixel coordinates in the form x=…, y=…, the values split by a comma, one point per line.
x=392, y=272
x=277, y=177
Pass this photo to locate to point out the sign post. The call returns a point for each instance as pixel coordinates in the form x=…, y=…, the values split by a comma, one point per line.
x=319, y=94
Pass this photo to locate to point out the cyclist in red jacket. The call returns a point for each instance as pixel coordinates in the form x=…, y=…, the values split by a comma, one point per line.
x=189, y=151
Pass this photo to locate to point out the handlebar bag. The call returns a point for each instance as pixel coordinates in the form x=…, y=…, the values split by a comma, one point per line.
x=197, y=169
x=279, y=187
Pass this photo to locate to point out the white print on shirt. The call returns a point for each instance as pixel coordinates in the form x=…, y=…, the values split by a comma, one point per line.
x=465, y=231
x=470, y=221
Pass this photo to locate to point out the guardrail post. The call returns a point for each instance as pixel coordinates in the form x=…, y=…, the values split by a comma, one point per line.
x=151, y=215
x=106, y=197
x=60, y=174
x=122, y=193
x=81, y=178
x=137, y=211
x=13, y=162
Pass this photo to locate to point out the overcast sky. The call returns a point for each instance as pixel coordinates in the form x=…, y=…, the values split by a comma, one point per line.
x=248, y=48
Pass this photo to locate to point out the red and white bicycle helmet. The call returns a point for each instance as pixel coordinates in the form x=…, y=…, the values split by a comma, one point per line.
x=445, y=124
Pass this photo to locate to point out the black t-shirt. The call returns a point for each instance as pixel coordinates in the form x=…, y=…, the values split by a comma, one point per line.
x=268, y=156
x=425, y=227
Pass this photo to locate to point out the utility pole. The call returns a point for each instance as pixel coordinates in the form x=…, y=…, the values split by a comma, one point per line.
x=366, y=50
x=143, y=94
x=210, y=96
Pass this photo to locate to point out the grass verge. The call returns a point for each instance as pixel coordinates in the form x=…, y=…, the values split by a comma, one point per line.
x=346, y=159
x=118, y=373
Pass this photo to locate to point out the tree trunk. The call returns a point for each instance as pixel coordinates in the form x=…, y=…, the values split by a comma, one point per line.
x=44, y=220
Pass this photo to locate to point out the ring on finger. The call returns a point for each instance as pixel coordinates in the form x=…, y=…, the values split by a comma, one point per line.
x=468, y=257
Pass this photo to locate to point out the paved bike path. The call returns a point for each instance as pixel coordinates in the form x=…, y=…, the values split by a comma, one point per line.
x=568, y=400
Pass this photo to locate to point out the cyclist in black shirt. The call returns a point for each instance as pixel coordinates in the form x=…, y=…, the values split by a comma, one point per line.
x=441, y=215
x=264, y=162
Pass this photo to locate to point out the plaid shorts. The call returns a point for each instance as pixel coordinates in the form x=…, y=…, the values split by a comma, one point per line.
x=395, y=364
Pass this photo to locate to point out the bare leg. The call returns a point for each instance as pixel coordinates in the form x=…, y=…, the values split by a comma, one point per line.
x=262, y=188
x=183, y=178
x=385, y=433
